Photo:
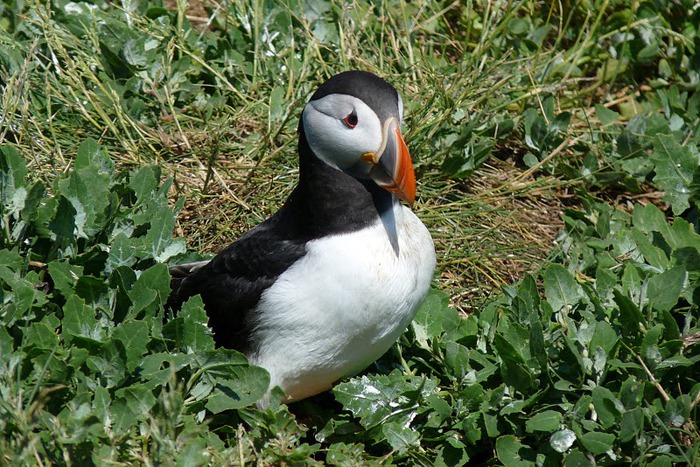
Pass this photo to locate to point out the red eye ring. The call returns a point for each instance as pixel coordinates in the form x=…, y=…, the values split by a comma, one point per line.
x=350, y=120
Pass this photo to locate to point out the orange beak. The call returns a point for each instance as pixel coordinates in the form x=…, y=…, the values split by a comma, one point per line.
x=393, y=169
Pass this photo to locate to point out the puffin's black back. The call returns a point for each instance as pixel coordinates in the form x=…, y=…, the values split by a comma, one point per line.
x=325, y=202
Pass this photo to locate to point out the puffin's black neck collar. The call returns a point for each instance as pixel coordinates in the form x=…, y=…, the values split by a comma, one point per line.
x=328, y=201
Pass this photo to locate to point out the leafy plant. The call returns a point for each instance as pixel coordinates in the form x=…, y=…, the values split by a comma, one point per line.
x=605, y=367
x=87, y=362
x=590, y=357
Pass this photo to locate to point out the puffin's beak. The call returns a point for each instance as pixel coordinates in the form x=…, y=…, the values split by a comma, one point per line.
x=392, y=168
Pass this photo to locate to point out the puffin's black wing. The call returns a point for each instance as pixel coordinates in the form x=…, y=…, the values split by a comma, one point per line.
x=231, y=284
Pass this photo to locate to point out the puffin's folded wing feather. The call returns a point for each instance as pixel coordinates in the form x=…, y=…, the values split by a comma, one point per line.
x=233, y=281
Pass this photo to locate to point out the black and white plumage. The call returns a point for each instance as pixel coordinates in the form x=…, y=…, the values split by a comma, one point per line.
x=327, y=284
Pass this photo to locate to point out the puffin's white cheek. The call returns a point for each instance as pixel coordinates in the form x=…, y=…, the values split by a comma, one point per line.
x=327, y=144
x=334, y=142
x=335, y=146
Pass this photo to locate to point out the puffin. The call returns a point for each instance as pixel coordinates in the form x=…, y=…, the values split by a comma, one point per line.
x=327, y=284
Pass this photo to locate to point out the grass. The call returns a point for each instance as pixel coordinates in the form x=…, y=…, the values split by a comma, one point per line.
x=238, y=160
x=516, y=112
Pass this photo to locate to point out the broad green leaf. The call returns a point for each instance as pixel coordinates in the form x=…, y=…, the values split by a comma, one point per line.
x=195, y=452
x=87, y=188
x=597, y=443
x=157, y=369
x=538, y=347
x=151, y=289
x=662, y=461
x=6, y=345
x=528, y=295
x=630, y=315
x=653, y=255
x=14, y=206
x=687, y=257
x=13, y=174
x=376, y=398
x=92, y=156
x=511, y=343
x=42, y=335
x=671, y=330
x=236, y=387
x=578, y=459
x=211, y=361
x=278, y=105
x=63, y=225
x=121, y=281
x=133, y=335
x=605, y=282
x=465, y=330
x=606, y=406
x=79, y=321
x=675, y=166
x=452, y=453
x=650, y=348
x=649, y=218
x=94, y=291
x=561, y=288
x=632, y=283
x=133, y=54
x=648, y=53
x=573, y=365
x=138, y=398
x=122, y=417
x=472, y=427
x=65, y=276
x=189, y=330
x=491, y=424
x=681, y=234
x=12, y=261
x=526, y=302
x=631, y=424
x=122, y=252
x=515, y=343
x=344, y=453
x=678, y=411
x=518, y=26
x=106, y=363
x=663, y=290
x=225, y=368
x=434, y=317
x=144, y=182
x=100, y=404
x=605, y=115
x=440, y=411
x=512, y=453
x=160, y=236
x=547, y=421
x=456, y=359
x=400, y=437
x=22, y=295
x=604, y=337
x=562, y=440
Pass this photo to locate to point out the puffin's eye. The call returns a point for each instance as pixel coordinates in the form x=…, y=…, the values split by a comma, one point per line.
x=350, y=120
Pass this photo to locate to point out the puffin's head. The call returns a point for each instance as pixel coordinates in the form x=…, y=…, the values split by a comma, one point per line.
x=352, y=123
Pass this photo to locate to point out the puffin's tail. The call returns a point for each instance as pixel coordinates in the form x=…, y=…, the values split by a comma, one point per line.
x=178, y=274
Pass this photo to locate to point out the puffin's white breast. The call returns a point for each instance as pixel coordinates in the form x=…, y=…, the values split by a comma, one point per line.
x=342, y=305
